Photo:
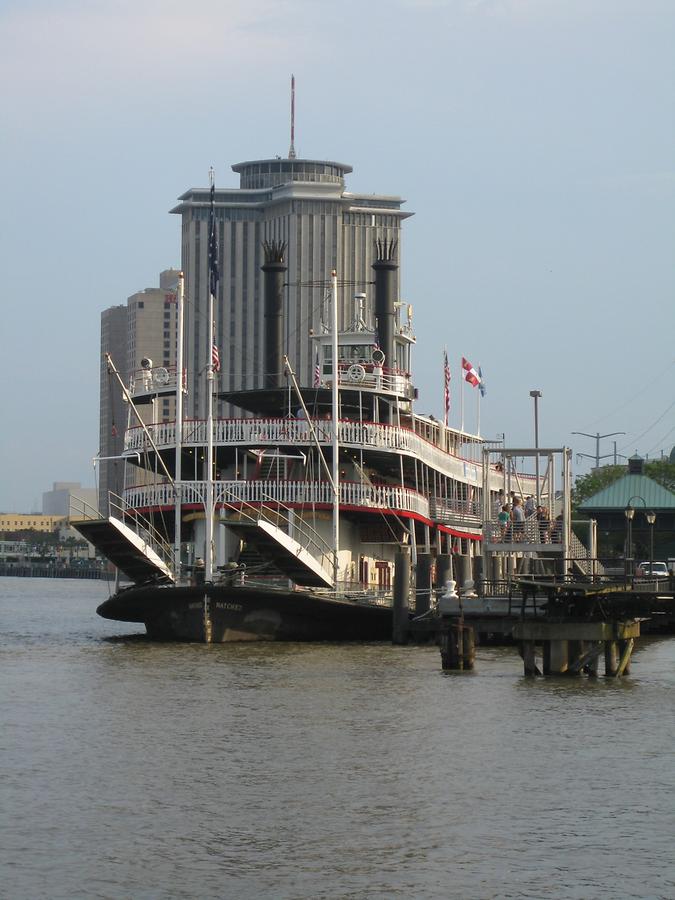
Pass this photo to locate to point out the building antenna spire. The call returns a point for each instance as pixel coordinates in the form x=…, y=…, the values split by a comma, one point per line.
x=291, y=151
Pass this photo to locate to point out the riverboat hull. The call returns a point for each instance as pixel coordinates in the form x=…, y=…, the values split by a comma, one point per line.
x=215, y=613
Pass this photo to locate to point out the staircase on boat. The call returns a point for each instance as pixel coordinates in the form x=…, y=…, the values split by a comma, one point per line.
x=296, y=550
x=137, y=549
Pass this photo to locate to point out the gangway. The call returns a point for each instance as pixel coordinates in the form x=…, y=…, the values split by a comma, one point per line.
x=289, y=555
x=138, y=551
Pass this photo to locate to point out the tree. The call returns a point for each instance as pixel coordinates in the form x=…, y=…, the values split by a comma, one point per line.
x=587, y=485
x=662, y=471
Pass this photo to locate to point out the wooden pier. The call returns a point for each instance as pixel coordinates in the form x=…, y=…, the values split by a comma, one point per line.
x=575, y=648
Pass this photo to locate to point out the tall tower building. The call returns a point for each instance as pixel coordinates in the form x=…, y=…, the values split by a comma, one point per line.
x=143, y=328
x=304, y=203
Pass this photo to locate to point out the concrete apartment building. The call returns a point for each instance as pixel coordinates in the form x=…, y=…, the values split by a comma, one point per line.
x=144, y=327
x=304, y=203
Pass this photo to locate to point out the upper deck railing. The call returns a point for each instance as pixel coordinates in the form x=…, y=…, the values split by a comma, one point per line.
x=296, y=432
x=156, y=381
x=359, y=374
x=292, y=493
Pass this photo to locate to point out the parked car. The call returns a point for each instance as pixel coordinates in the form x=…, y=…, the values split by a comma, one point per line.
x=655, y=569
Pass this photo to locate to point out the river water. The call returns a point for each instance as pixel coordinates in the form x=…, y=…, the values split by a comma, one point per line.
x=137, y=770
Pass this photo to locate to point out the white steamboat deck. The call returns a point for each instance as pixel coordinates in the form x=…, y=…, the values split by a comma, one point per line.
x=247, y=433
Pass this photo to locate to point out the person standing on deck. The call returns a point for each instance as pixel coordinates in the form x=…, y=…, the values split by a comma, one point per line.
x=518, y=516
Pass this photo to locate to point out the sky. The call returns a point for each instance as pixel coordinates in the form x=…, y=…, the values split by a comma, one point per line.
x=533, y=139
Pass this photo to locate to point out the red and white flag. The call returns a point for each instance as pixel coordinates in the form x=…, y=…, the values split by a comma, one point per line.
x=471, y=375
x=317, y=371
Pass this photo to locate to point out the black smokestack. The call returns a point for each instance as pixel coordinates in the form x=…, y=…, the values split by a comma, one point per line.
x=385, y=266
x=274, y=269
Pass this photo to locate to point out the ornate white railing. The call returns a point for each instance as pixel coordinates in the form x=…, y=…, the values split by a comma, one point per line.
x=367, y=376
x=292, y=493
x=291, y=432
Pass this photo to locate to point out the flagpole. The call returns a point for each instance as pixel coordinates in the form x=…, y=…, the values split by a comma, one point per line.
x=446, y=387
x=478, y=412
x=209, y=505
x=336, y=446
x=180, y=297
x=461, y=397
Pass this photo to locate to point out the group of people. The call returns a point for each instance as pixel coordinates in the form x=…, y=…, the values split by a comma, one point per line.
x=512, y=516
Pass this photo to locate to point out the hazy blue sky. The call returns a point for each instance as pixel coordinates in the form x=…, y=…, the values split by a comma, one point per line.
x=533, y=139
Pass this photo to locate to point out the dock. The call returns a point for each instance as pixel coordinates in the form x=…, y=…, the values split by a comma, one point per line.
x=562, y=626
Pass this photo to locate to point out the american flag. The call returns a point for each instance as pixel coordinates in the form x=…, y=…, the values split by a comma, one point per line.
x=317, y=371
x=215, y=357
x=446, y=383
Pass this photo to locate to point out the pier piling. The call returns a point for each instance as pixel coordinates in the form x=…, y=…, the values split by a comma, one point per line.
x=570, y=648
x=423, y=584
x=400, y=612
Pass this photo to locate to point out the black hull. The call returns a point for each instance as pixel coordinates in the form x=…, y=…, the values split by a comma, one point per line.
x=215, y=613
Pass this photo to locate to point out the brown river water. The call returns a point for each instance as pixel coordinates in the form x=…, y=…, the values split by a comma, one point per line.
x=137, y=770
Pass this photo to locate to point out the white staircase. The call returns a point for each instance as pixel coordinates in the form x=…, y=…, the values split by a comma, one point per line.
x=139, y=552
x=287, y=554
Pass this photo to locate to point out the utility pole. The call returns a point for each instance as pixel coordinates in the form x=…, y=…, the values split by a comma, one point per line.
x=597, y=437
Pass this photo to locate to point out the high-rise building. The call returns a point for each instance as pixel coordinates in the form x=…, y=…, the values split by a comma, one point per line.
x=303, y=203
x=144, y=328
x=67, y=499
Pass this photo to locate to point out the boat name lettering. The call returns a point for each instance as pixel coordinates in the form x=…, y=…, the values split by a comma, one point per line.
x=235, y=607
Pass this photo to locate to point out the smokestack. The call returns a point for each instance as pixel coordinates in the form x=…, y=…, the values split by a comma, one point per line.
x=385, y=266
x=274, y=269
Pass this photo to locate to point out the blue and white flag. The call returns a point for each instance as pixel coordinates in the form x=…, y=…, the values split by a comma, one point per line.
x=481, y=383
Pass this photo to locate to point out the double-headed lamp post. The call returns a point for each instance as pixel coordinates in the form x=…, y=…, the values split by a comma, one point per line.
x=651, y=518
x=535, y=396
x=629, y=512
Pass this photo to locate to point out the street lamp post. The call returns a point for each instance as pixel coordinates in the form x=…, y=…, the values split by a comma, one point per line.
x=535, y=396
x=651, y=518
x=629, y=512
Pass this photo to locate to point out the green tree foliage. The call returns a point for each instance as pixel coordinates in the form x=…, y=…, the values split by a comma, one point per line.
x=587, y=485
x=661, y=470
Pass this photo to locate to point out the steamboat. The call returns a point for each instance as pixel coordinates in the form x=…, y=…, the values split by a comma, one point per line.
x=285, y=523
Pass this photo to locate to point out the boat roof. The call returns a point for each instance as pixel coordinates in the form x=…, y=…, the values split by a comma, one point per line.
x=272, y=402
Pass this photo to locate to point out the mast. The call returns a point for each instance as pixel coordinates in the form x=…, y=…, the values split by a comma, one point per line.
x=336, y=447
x=291, y=151
x=213, y=289
x=180, y=296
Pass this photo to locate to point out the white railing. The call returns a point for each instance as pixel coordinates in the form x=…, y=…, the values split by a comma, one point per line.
x=291, y=432
x=158, y=380
x=531, y=531
x=126, y=512
x=381, y=379
x=448, y=511
x=293, y=493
